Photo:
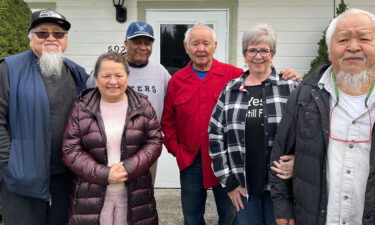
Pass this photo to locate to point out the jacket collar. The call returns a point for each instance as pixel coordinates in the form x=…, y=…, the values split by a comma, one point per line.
x=239, y=83
x=91, y=99
x=314, y=77
x=189, y=72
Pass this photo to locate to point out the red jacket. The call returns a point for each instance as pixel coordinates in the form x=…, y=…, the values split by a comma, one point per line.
x=187, y=111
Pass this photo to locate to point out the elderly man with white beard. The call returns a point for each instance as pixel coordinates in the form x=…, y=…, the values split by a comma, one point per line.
x=328, y=125
x=37, y=89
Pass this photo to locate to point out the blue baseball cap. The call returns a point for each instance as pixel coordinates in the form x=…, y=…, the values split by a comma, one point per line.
x=136, y=29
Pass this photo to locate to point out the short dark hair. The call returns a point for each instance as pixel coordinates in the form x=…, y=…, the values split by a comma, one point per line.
x=110, y=56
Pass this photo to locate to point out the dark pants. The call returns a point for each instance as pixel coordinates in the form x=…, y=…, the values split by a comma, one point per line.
x=21, y=210
x=258, y=210
x=193, y=197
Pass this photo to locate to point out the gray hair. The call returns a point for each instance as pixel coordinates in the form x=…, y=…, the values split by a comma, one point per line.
x=332, y=26
x=258, y=33
x=197, y=25
x=30, y=33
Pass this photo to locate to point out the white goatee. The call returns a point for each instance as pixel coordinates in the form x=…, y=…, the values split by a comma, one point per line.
x=51, y=63
x=354, y=80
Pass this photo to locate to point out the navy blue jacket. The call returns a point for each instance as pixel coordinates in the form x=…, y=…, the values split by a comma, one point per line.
x=28, y=169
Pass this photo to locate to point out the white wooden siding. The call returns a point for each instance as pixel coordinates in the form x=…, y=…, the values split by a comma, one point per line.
x=298, y=23
x=94, y=27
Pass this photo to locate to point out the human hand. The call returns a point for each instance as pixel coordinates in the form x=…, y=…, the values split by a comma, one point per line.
x=285, y=222
x=117, y=174
x=284, y=166
x=288, y=74
x=235, y=197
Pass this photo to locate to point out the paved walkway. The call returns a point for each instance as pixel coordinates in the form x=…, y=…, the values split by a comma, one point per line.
x=169, y=207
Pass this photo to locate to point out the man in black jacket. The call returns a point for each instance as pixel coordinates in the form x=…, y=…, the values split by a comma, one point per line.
x=327, y=125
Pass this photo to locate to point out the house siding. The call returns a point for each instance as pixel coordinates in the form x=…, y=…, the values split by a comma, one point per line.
x=299, y=25
x=94, y=27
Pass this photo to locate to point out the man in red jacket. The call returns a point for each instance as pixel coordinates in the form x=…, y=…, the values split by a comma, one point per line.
x=191, y=96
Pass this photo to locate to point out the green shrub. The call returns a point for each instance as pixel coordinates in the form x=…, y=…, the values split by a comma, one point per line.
x=14, y=22
x=322, y=56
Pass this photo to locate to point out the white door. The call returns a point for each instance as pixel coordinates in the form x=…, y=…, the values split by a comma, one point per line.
x=167, y=170
x=217, y=19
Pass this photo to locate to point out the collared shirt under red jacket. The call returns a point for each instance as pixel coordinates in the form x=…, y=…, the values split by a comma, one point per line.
x=187, y=111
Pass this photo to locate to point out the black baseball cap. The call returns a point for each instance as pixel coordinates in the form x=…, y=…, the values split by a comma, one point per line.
x=48, y=16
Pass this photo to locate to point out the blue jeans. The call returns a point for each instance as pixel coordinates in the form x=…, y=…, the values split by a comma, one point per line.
x=258, y=210
x=193, y=197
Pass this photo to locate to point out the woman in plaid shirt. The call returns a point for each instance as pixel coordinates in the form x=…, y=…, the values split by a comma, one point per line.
x=243, y=126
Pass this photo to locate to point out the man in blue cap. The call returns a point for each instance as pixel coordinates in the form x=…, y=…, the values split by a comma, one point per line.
x=146, y=76
x=37, y=89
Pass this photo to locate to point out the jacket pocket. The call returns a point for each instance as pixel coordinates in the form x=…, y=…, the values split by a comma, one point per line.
x=309, y=120
x=184, y=108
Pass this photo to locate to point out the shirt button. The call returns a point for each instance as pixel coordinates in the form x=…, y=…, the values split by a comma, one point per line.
x=347, y=171
x=350, y=145
x=346, y=197
x=343, y=222
x=354, y=122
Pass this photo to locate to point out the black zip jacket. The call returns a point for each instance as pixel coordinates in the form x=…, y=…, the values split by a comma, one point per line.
x=303, y=131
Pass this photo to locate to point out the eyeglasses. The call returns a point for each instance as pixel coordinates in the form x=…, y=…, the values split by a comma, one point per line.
x=346, y=140
x=252, y=52
x=45, y=35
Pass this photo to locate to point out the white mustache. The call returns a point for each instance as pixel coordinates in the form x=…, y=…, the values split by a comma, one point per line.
x=48, y=43
x=364, y=58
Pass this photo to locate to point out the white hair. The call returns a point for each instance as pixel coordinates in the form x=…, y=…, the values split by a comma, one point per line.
x=197, y=25
x=332, y=26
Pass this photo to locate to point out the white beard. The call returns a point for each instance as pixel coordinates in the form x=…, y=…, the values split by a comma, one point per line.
x=354, y=80
x=51, y=63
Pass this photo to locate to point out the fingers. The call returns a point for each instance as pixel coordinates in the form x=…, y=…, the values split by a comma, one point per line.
x=287, y=157
x=288, y=74
x=277, y=170
x=235, y=197
x=284, y=176
x=243, y=192
x=117, y=174
x=117, y=178
x=284, y=170
x=282, y=167
x=282, y=221
x=237, y=201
